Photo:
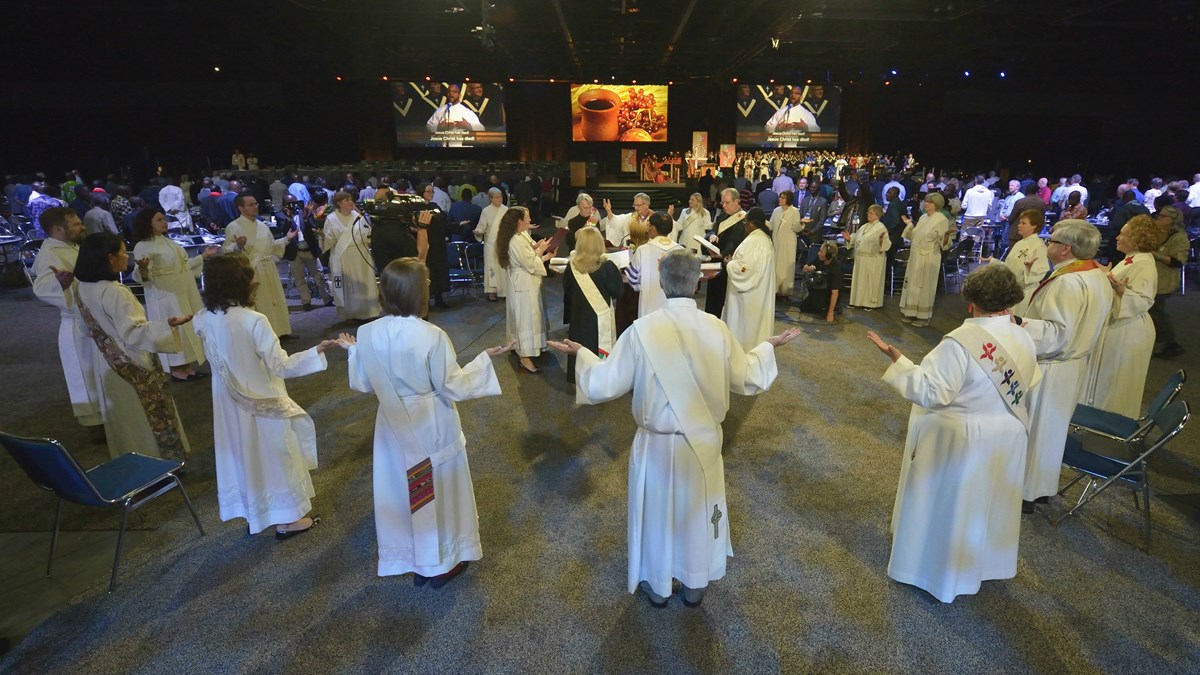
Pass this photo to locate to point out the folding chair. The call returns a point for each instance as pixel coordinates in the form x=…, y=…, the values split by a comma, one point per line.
x=460, y=272
x=128, y=481
x=1119, y=427
x=1102, y=471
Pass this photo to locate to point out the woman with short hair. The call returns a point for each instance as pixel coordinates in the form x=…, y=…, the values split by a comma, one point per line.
x=930, y=236
x=525, y=315
x=956, y=520
x=785, y=227
x=425, y=517
x=1123, y=357
x=870, y=244
x=168, y=277
x=1027, y=258
x=495, y=279
x=352, y=269
x=264, y=443
x=139, y=413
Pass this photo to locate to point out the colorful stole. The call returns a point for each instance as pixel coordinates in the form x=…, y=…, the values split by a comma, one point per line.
x=606, y=323
x=1077, y=266
x=149, y=385
x=999, y=366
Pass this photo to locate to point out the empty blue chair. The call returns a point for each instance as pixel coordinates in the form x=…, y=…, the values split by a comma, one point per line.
x=1101, y=471
x=1119, y=427
x=128, y=481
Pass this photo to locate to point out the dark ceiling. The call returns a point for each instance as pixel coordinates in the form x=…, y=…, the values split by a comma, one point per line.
x=1036, y=43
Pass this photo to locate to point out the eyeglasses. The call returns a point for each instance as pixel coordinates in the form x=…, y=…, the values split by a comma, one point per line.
x=1060, y=243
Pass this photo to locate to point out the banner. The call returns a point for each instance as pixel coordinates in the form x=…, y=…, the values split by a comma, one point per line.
x=700, y=144
x=629, y=160
x=727, y=154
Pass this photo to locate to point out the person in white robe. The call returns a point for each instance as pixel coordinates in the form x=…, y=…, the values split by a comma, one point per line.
x=643, y=265
x=1066, y=317
x=453, y=120
x=139, y=413
x=495, y=278
x=172, y=199
x=348, y=241
x=957, y=516
x=792, y=120
x=749, y=304
x=870, y=244
x=425, y=517
x=674, y=360
x=785, y=227
x=695, y=221
x=252, y=237
x=1027, y=258
x=264, y=443
x=619, y=229
x=929, y=237
x=1123, y=357
x=168, y=278
x=524, y=261
x=59, y=250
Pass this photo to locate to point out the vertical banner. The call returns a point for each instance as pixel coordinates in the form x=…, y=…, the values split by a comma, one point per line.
x=700, y=144
x=727, y=154
x=629, y=160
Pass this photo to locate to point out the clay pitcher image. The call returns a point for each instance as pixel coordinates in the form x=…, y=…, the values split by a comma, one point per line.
x=598, y=110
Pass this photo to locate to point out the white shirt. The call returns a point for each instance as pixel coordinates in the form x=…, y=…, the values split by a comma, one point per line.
x=1193, y=199
x=976, y=202
x=792, y=113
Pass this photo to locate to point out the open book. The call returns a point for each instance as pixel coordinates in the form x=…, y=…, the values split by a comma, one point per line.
x=708, y=245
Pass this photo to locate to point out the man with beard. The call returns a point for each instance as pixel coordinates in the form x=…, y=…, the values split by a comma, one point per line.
x=453, y=120
x=64, y=231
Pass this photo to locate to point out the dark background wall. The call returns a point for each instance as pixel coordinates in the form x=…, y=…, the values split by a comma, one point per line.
x=101, y=127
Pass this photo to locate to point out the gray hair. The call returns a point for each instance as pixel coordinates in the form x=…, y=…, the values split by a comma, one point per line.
x=992, y=288
x=678, y=273
x=584, y=197
x=492, y=192
x=644, y=197
x=731, y=191
x=1080, y=235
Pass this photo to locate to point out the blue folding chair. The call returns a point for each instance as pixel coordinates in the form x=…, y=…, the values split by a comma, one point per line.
x=1102, y=471
x=1118, y=427
x=128, y=481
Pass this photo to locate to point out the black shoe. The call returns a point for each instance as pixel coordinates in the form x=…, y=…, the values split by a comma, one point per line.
x=197, y=375
x=692, y=597
x=329, y=302
x=307, y=306
x=1170, y=351
x=1026, y=507
x=443, y=579
x=288, y=534
x=287, y=336
x=419, y=580
x=1042, y=500
x=656, y=601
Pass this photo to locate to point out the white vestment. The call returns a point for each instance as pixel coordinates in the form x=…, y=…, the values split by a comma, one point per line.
x=749, y=298
x=643, y=273
x=1122, y=359
x=453, y=112
x=264, y=443
x=924, y=265
x=1065, y=319
x=495, y=277
x=956, y=520
x=417, y=420
x=689, y=225
x=171, y=291
x=681, y=364
x=121, y=316
x=793, y=114
x=785, y=225
x=263, y=250
x=75, y=350
x=171, y=198
x=870, y=264
x=616, y=229
x=524, y=312
x=1029, y=248
x=355, y=291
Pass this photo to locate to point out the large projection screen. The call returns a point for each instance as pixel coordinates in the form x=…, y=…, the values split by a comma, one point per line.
x=449, y=114
x=788, y=115
x=629, y=113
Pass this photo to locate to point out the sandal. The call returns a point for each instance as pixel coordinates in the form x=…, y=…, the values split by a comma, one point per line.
x=288, y=534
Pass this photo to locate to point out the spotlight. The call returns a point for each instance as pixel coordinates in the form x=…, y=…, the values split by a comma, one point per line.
x=426, y=78
x=772, y=81
x=966, y=73
x=1002, y=75
x=893, y=72
x=216, y=69
x=466, y=79
x=808, y=82
x=670, y=82
x=552, y=80
x=735, y=80
x=338, y=78
x=635, y=81
x=887, y=83
x=384, y=78
x=511, y=80
x=596, y=81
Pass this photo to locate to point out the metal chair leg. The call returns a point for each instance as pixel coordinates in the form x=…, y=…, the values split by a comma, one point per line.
x=1146, y=510
x=54, y=536
x=187, y=500
x=112, y=582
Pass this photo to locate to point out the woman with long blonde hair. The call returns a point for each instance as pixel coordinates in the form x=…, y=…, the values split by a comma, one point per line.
x=591, y=285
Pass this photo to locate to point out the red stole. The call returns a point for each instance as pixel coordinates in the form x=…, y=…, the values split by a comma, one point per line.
x=1077, y=266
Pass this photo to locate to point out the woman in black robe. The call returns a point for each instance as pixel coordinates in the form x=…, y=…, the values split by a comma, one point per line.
x=435, y=257
x=577, y=311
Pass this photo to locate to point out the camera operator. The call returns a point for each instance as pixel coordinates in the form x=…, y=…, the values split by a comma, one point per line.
x=302, y=252
x=824, y=281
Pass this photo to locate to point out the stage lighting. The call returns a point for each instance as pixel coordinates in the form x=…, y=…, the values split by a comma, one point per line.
x=1002, y=75
x=216, y=69
x=966, y=73
x=338, y=78
x=893, y=72
x=384, y=78
x=887, y=83
x=426, y=78
x=511, y=80
x=735, y=80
